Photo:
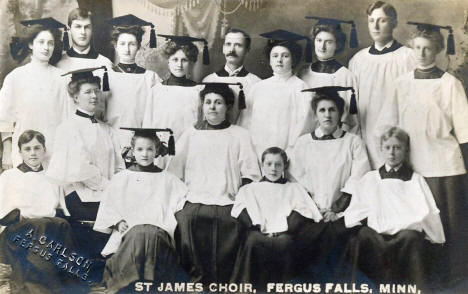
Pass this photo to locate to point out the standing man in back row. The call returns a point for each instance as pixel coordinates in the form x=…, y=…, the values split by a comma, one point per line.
x=235, y=48
x=82, y=54
x=376, y=68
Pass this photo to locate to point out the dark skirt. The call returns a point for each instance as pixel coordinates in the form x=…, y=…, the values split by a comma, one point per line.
x=264, y=259
x=207, y=240
x=451, y=199
x=34, y=265
x=82, y=217
x=386, y=258
x=146, y=254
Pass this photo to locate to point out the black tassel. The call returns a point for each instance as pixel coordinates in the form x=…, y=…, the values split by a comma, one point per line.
x=206, y=54
x=308, y=49
x=450, y=43
x=171, y=145
x=152, y=42
x=353, y=41
x=66, y=42
x=353, y=104
x=105, y=81
x=241, y=103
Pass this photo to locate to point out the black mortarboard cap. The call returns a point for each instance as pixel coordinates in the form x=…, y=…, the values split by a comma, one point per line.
x=353, y=40
x=219, y=85
x=277, y=37
x=88, y=73
x=436, y=28
x=182, y=40
x=51, y=23
x=131, y=20
x=152, y=134
x=332, y=92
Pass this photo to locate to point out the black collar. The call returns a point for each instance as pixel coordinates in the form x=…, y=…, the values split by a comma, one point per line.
x=404, y=173
x=82, y=114
x=223, y=73
x=278, y=181
x=90, y=55
x=147, y=169
x=176, y=81
x=374, y=51
x=326, y=137
x=204, y=125
x=129, y=68
x=430, y=73
x=329, y=66
x=26, y=168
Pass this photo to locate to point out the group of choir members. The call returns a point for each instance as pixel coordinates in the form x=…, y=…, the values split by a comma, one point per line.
x=267, y=178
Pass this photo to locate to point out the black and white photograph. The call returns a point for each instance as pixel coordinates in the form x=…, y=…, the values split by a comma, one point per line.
x=233, y=146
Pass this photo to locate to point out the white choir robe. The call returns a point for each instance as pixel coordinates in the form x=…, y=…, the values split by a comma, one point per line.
x=33, y=97
x=326, y=168
x=270, y=204
x=375, y=76
x=68, y=64
x=434, y=113
x=30, y=192
x=212, y=163
x=127, y=101
x=174, y=107
x=343, y=78
x=87, y=156
x=277, y=113
x=247, y=82
x=392, y=205
x=139, y=198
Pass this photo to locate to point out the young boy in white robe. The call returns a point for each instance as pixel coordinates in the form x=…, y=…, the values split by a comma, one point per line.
x=138, y=208
x=400, y=212
x=431, y=105
x=273, y=209
x=28, y=209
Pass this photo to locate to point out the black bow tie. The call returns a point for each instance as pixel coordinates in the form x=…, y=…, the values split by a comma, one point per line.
x=91, y=117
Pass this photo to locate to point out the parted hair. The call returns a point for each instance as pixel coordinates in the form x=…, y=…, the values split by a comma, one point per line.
x=171, y=47
x=293, y=47
x=79, y=13
x=392, y=131
x=389, y=10
x=137, y=31
x=434, y=37
x=19, y=46
x=29, y=135
x=276, y=150
x=248, y=39
x=336, y=31
x=74, y=86
x=339, y=102
x=225, y=92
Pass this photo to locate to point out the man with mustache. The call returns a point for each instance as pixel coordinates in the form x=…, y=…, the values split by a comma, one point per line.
x=235, y=48
x=376, y=67
x=81, y=54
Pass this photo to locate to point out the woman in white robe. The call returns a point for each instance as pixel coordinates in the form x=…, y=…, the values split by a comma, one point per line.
x=28, y=206
x=273, y=210
x=328, y=163
x=400, y=212
x=431, y=105
x=138, y=208
x=214, y=159
x=329, y=40
x=88, y=155
x=34, y=86
x=277, y=111
x=131, y=84
x=174, y=103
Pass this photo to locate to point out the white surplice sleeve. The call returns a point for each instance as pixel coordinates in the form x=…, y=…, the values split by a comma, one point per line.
x=178, y=162
x=432, y=224
x=108, y=215
x=301, y=202
x=359, y=166
x=7, y=105
x=248, y=162
x=459, y=111
x=359, y=208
